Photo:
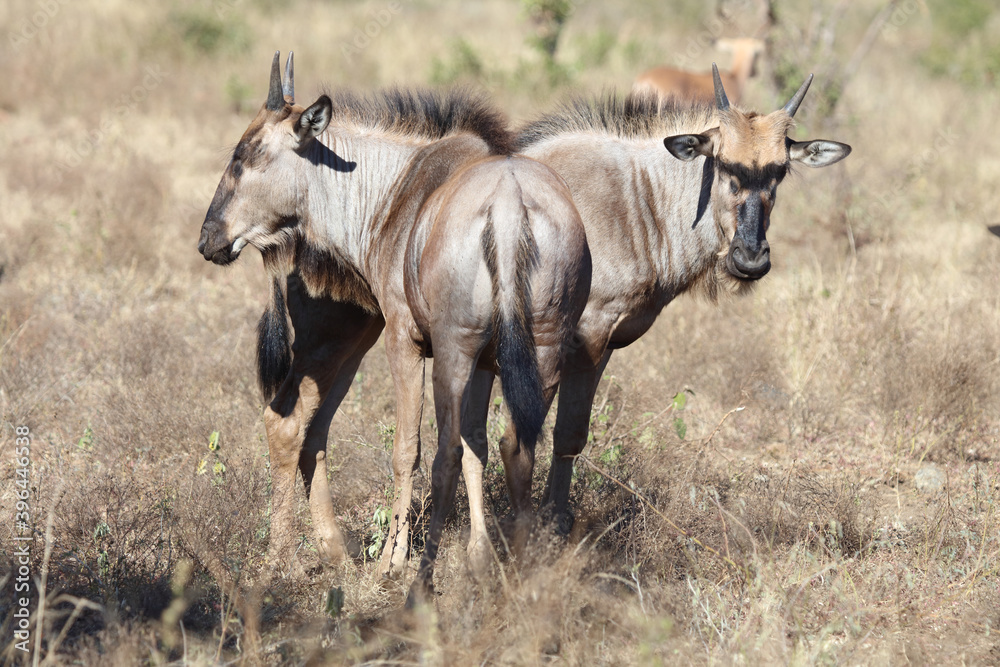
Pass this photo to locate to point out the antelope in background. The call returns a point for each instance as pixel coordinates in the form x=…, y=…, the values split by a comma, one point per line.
x=403, y=211
x=674, y=198
x=699, y=87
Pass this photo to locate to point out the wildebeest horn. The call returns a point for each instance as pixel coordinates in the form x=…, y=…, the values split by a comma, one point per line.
x=288, y=87
x=275, y=101
x=721, y=101
x=793, y=104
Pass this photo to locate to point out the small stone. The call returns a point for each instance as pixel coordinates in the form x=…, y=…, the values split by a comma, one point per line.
x=929, y=479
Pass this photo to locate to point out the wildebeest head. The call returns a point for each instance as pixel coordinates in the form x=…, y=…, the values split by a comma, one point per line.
x=750, y=154
x=257, y=201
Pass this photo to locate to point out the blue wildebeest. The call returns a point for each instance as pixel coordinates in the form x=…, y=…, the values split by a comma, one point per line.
x=673, y=197
x=404, y=211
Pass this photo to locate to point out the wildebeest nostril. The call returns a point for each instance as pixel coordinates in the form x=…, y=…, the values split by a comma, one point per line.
x=203, y=241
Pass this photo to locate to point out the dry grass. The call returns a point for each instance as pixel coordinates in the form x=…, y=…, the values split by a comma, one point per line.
x=801, y=530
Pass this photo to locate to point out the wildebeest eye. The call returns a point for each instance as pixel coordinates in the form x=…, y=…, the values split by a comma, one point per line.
x=237, y=168
x=734, y=187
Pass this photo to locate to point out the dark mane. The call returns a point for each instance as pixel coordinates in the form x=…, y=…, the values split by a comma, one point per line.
x=426, y=113
x=637, y=115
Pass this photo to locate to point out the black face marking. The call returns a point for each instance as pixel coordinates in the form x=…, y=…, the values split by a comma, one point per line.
x=707, y=177
x=755, y=178
x=248, y=151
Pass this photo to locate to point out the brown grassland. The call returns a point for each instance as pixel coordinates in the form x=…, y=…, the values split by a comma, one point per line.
x=809, y=475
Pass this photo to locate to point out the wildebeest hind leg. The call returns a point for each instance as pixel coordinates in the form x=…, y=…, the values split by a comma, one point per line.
x=473, y=462
x=452, y=376
x=519, y=456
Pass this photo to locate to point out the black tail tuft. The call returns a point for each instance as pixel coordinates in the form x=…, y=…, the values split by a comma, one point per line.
x=274, y=355
x=520, y=379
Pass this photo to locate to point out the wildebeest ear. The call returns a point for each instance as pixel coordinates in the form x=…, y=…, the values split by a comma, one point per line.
x=819, y=153
x=689, y=146
x=314, y=120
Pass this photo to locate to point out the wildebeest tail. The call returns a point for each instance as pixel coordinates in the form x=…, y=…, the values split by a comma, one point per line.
x=274, y=355
x=515, y=351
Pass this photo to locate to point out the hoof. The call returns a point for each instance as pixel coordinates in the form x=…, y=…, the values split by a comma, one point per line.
x=564, y=523
x=333, y=553
x=561, y=522
x=391, y=567
x=480, y=560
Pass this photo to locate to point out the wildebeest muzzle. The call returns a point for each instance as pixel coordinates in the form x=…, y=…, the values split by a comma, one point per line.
x=746, y=263
x=216, y=247
x=749, y=255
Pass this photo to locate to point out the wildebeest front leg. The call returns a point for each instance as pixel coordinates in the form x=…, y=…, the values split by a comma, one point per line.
x=407, y=366
x=330, y=340
x=580, y=378
x=312, y=460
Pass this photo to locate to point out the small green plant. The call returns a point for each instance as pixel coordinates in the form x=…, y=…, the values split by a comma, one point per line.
x=380, y=529
x=612, y=454
x=386, y=433
x=102, y=531
x=218, y=467
x=497, y=425
x=86, y=442
x=601, y=423
x=680, y=427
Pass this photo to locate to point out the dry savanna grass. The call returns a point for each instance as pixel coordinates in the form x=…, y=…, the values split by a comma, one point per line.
x=805, y=476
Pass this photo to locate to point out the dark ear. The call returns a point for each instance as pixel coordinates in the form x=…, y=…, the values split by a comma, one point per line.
x=687, y=147
x=314, y=120
x=819, y=153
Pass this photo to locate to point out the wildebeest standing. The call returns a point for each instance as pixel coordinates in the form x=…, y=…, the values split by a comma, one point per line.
x=673, y=197
x=401, y=210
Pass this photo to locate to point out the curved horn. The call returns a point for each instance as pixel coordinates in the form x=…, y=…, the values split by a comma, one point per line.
x=793, y=104
x=721, y=101
x=275, y=102
x=288, y=87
